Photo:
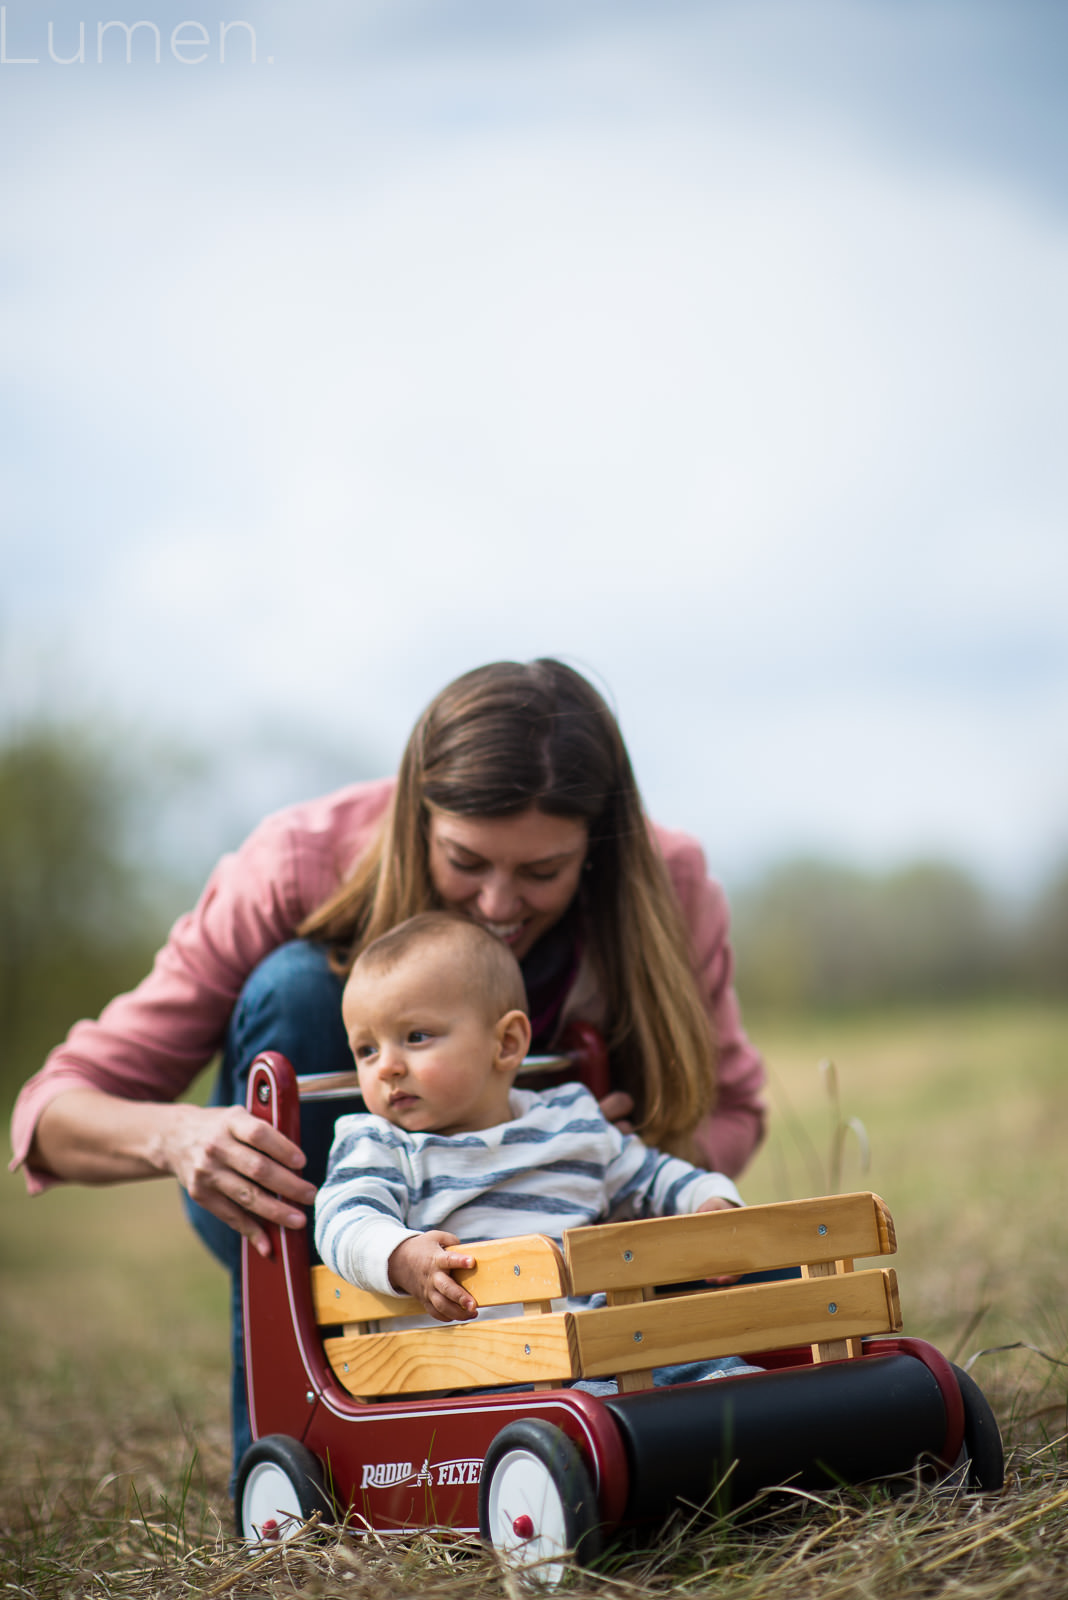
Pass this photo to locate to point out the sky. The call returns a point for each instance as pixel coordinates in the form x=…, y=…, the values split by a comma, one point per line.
x=717, y=346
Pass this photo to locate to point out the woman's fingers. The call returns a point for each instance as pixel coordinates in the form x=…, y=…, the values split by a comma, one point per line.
x=617, y=1107
x=267, y=1157
x=242, y=1222
x=241, y=1170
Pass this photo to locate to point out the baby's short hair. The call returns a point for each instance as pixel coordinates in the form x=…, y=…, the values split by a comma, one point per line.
x=496, y=982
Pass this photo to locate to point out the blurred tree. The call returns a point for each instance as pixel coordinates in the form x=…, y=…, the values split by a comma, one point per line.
x=104, y=837
x=79, y=917
x=1044, y=941
x=814, y=933
x=947, y=937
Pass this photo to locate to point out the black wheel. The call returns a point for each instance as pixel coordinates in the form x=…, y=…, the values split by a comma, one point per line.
x=536, y=1504
x=982, y=1437
x=279, y=1485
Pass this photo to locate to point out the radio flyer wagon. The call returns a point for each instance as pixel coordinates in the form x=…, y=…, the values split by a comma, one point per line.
x=473, y=1426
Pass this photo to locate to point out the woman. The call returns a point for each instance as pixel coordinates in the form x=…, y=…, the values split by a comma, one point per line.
x=515, y=803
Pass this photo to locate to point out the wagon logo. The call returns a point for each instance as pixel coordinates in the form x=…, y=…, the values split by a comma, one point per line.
x=387, y=1474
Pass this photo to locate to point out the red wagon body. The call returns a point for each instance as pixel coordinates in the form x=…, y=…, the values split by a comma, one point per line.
x=487, y=1460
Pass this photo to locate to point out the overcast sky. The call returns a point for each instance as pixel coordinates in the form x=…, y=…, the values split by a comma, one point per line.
x=721, y=348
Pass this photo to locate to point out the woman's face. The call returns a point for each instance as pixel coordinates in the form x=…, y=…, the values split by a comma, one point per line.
x=514, y=875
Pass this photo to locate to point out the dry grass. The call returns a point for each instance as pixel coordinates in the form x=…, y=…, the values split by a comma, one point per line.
x=112, y=1338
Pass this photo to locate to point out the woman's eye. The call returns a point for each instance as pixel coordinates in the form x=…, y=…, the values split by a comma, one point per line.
x=465, y=866
x=543, y=877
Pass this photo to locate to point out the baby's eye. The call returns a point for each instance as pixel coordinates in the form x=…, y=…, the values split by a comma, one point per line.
x=418, y=1036
x=364, y=1052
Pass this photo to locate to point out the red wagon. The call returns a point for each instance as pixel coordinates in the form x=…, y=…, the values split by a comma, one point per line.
x=475, y=1427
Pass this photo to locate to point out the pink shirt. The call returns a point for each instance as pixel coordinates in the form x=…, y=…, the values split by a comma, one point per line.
x=151, y=1043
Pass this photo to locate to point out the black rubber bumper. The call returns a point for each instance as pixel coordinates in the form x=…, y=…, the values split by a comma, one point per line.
x=725, y=1440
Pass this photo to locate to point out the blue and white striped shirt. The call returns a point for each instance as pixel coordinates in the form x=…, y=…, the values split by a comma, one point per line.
x=558, y=1164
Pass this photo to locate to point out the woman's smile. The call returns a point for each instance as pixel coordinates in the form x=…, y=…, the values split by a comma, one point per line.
x=516, y=875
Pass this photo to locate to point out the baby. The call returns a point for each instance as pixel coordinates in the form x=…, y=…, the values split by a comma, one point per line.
x=449, y=1150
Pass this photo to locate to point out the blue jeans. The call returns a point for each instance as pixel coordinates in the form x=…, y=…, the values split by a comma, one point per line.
x=291, y=1003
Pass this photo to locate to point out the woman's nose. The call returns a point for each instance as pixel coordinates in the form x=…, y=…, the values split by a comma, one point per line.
x=498, y=900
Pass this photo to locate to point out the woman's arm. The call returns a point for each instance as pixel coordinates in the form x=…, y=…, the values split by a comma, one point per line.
x=148, y=1045
x=241, y=1169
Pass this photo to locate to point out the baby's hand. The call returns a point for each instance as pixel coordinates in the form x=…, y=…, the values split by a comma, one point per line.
x=423, y=1266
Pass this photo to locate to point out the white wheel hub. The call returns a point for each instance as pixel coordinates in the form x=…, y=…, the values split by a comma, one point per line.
x=270, y=1505
x=528, y=1521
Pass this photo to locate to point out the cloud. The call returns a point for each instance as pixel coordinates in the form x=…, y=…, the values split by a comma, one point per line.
x=330, y=394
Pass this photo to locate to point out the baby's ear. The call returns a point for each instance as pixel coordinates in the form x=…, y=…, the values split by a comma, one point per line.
x=513, y=1041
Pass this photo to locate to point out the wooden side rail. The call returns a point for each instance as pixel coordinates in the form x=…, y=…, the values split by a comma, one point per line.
x=721, y=1322
x=829, y=1306
x=624, y=1255
x=457, y=1355
x=529, y=1269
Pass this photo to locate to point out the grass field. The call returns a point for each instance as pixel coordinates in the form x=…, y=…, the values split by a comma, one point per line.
x=113, y=1345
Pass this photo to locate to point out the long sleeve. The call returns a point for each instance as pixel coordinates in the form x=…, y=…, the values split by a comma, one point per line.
x=646, y=1183
x=361, y=1209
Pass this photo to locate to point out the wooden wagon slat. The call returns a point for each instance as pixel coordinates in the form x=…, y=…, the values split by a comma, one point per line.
x=723, y=1322
x=604, y=1342
x=528, y=1268
x=664, y=1250
x=457, y=1355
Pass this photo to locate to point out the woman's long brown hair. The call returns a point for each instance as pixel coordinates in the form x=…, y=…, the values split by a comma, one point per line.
x=494, y=743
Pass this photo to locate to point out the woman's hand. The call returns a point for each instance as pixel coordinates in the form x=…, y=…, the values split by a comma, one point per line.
x=237, y=1167
x=618, y=1107
x=422, y=1266
x=241, y=1169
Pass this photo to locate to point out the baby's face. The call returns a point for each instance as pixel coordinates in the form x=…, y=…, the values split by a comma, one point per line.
x=426, y=1056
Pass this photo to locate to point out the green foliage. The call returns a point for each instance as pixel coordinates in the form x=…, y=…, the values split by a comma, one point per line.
x=816, y=934
x=1044, y=947
x=79, y=913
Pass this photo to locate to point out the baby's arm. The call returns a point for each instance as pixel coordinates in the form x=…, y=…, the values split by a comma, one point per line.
x=422, y=1266
x=361, y=1223
x=362, y=1208
x=650, y=1184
